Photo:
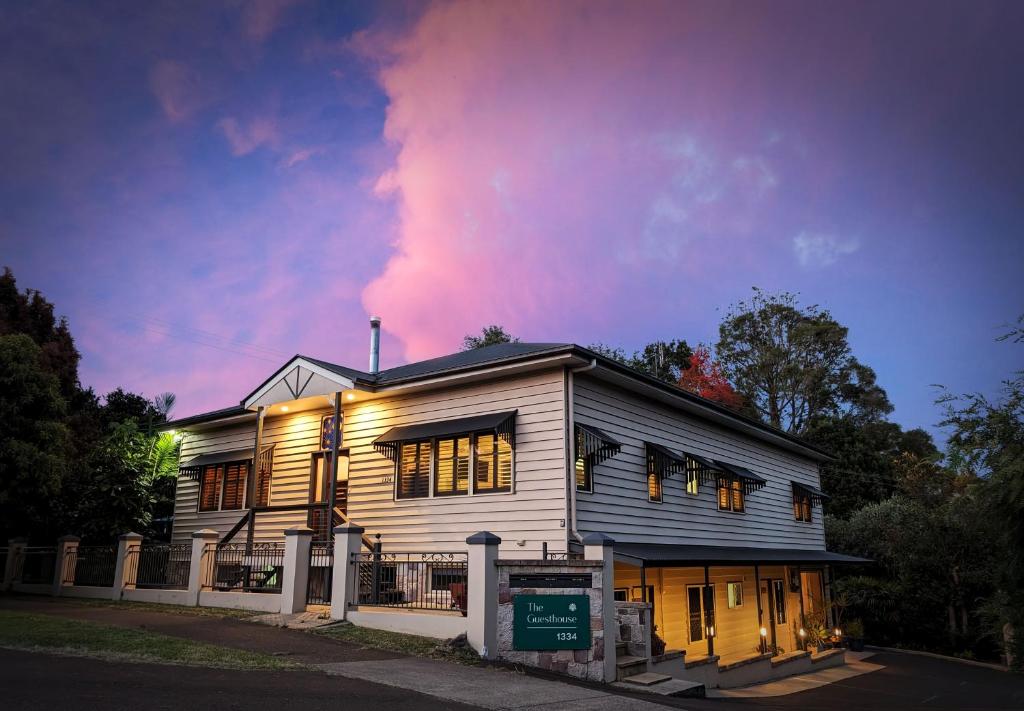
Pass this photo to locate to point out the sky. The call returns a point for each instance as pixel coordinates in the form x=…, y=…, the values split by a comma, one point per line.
x=206, y=188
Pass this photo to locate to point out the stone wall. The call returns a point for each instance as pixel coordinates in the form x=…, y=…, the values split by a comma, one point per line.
x=634, y=627
x=579, y=663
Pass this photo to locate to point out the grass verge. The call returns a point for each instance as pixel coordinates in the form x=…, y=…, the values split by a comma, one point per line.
x=58, y=635
x=397, y=642
x=150, y=607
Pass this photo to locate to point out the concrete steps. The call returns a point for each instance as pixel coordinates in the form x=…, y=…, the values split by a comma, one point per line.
x=661, y=685
x=628, y=665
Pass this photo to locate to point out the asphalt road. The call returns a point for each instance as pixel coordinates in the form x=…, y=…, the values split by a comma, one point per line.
x=30, y=681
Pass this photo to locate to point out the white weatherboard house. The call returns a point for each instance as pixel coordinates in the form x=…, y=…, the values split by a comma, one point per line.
x=716, y=519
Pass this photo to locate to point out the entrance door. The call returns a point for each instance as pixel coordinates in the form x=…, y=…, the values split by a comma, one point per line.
x=700, y=605
x=773, y=604
x=320, y=519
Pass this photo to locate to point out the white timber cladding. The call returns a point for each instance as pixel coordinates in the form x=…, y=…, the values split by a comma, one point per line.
x=295, y=438
x=619, y=505
x=533, y=512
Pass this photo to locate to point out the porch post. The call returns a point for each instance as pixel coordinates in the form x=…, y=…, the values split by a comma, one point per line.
x=643, y=581
x=250, y=484
x=482, y=594
x=597, y=546
x=348, y=540
x=709, y=595
x=297, y=542
x=200, y=570
x=335, y=445
x=800, y=592
x=830, y=618
x=771, y=613
x=760, y=614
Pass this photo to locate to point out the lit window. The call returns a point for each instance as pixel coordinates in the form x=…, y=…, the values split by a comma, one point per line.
x=735, y=592
x=451, y=471
x=802, y=507
x=493, y=464
x=222, y=487
x=654, y=486
x=730, y=494
x=584, y=475
x=414, y=471
x=692, y=477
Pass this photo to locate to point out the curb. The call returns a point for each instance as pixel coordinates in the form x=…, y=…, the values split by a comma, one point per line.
x=933, y=655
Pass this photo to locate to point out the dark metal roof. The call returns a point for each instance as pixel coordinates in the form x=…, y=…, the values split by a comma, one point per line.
x=810, y=491
x=740, y=472
x=221, y=414
x=668, y=554
x=410, y=433
x=475, y=358
x=350, y=373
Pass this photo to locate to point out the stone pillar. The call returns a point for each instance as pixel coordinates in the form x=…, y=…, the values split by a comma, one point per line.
x=15, y=547
x=348, y=540
x=64, y=566
x=482, y=594
x=125, y=567
x=297, y=543
x=200, y=569
x=597, y=546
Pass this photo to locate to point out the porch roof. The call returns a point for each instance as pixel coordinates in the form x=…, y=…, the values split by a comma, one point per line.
x=679, y=556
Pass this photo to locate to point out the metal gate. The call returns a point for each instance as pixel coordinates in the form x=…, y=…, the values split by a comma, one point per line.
x=321, y=573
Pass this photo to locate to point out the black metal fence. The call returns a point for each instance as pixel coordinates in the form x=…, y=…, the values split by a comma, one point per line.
x=162, y=567
x=91, y=565
x=4, y=555
x=420, y=581
x=241, y=567
x=321, y=573
x=35, y=564
x=555, y=555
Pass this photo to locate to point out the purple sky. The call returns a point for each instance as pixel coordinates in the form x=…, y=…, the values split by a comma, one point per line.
x=205, y=189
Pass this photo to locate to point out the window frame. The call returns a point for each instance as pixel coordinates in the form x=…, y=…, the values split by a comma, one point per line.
x=802, y=508
x=435, y=465
x=221, y=478
x=432, y=492
x=730, y=598
x=736, y=491
x=588, y=475
x=656, y=479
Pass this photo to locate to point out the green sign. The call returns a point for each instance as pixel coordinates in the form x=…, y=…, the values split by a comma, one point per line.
x=542, y=622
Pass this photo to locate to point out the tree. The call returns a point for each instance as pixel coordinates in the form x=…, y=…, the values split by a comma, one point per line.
x=489, y=336
x=793, y=365
x=34, y=439
x=664, y=360
x=704, y=377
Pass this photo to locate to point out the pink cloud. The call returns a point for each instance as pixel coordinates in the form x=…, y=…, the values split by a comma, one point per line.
x=260, y=18
x=244, y=139
x=552, y=160
x=177, y=88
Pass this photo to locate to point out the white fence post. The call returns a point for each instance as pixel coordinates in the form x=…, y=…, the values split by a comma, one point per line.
x=64, y=565
x=16, y=547
x=200, y=571
x=297, y=543
x=348, y=539
x=482, y=594
x=124, y=574
x=597, y=546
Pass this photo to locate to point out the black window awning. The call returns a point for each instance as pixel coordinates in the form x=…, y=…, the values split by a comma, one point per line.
x=678, y=556
x=750, y=480
x=503, y=424
x=815, y=495
x=595, y=445
x=663, y=461
x=193, y=468
x=703, y=468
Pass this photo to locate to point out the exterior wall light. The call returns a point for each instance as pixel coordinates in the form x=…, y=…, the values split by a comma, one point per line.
x=284, y=408
x=350, y=396
x=764, y=632
x=803, y=632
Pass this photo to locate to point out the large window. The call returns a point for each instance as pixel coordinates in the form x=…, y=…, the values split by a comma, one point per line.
x=463, y=464
x=802, y=507
x=730, y=494
x=222, y=486
x=451, y=470
x=414, y=470
x=700, y=603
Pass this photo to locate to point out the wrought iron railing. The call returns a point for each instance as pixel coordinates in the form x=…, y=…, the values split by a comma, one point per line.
x=242, y=567
x=419, y=581
x=159, y=566
x=35, y=564
x=321, y=573
x=90, y=565
x=559, y=555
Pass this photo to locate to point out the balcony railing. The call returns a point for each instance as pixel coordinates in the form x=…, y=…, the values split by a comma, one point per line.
x=418, y=581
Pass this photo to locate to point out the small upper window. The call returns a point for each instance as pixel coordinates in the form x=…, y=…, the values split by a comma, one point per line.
x=802, y=507
x=730, y=494
x=222, y=487
x=584, y=474
x=654, y=486
x=735, y=592
x=414, y=470
x=493, y=464
x=451, y=470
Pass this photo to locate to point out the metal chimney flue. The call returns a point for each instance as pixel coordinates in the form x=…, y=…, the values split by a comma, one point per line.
x=374, y=344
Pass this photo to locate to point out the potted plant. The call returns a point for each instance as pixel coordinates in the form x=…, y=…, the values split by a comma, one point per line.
x=657, y=643
x=855, y=635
